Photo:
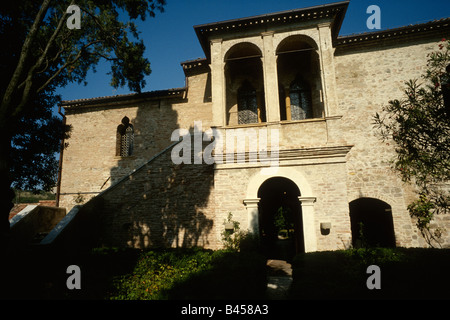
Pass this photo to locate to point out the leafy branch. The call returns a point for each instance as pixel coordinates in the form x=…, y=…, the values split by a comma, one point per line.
x=419, y=126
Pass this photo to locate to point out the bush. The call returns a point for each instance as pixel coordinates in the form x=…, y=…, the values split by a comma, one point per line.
x=233, y=275
x=192, y=274
x=377, y=255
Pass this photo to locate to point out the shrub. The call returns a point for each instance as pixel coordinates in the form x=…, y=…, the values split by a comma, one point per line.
x=376, y=255
x=192, y=274
x=157, y=271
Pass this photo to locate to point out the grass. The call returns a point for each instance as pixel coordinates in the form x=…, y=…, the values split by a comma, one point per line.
x=24, y=196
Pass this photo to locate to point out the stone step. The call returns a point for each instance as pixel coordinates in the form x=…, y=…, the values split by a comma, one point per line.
x=38, y=237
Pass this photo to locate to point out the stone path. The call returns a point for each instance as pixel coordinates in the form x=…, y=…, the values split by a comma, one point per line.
x=279, y=279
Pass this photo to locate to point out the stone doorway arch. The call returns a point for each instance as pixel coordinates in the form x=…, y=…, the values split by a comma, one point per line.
x=280, y=218
x=305, y=199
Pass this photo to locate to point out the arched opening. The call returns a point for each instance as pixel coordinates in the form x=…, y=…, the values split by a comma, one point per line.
x=280, y=218
x=371, y=223
x=125, y=138
x=244, y=85
x=299, y=79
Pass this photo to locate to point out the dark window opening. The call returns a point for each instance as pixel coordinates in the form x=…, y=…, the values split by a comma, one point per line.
x=125, y=138
x=247, y=104
x=300, y=97
x=371, y=223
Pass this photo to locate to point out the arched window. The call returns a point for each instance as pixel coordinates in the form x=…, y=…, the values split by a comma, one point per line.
x=300, y=97
x=125, y=138
x=299, y=76
x=244, y=84
x=247, y=104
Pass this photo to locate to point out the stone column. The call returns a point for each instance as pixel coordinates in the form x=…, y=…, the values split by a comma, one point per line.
x=217, y=83
x=252, y=215
x=326, y=54
x=309, y=226
x=269, y=60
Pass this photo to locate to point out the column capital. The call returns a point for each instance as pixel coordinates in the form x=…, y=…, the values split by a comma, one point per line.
x=251, y=202
x=267, y=33
x=307, y=201
x=216, y=40
x=324, y=25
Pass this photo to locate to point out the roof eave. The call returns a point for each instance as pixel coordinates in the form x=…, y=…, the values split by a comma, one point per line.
x=435, y=26
x=149, y=95
x=203, y=35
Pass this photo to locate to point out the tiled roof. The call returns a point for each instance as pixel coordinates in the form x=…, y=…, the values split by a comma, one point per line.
x=395, y=33
x=169, y=93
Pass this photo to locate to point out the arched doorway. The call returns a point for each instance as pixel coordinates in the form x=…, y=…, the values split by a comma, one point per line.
x=280, y=218
x=371, y=223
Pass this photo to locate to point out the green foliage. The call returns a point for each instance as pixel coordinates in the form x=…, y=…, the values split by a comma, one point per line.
x=231, y=238
x=39, y=54
x=419, y=126
x=24, y=196
x=423, y=210
x=377, y=256
x=157, y=271
x=283, y=220
x=236, y=239
x=191, y=274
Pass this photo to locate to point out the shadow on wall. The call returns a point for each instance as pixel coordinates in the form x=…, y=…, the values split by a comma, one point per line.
x=162, y=204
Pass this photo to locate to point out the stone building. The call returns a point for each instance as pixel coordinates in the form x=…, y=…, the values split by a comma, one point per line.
x=296, y=159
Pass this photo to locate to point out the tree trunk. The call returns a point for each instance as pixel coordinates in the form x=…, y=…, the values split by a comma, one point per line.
x=6, y=191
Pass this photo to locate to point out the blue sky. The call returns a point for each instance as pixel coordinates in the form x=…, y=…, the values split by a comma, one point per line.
x=171, y=39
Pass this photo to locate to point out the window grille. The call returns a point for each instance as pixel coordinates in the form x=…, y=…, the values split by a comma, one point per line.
x=300, y=97
x=247, y=104
x=125, y=138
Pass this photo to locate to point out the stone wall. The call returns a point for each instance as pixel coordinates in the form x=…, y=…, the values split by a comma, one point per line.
x=367, y=78
x=325, y=182
x=161, y=205
x=339, y=158
x=90, y=164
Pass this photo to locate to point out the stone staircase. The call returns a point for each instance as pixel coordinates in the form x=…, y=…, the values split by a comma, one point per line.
x=80, y=222
x=32, y=224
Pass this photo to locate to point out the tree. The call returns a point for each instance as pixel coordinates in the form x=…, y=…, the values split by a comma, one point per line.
x=419, y=125
x=283, y=220
x=44, y=53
